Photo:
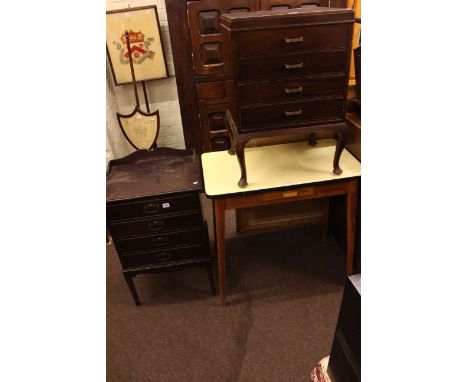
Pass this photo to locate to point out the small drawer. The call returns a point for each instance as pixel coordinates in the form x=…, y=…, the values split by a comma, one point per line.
x=290, y=90
x=291, y=66
x=220, y=143
x=291, y=40
x=207, y=91
x=155, y=225
x=164, y=256
x=163, y=240
x=152, y=207
x=292, y=113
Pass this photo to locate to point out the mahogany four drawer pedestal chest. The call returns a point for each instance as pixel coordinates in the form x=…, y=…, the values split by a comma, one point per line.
x=154, y=214
x=291, y=70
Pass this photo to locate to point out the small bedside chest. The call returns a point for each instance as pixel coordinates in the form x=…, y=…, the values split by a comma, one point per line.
x=291, y=70
x=154, y=214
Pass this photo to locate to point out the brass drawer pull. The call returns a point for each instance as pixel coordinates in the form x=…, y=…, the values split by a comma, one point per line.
x=293, y=90
x=289, y=194
x=149, y=208
x=160, y=241
x=164, y=256
x=294, y=39
x=292, y=113
x=156, y=225
x=294, y=66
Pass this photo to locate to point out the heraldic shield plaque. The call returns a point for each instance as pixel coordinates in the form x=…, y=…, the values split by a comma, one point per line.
x=146, y=48
x=141, y=129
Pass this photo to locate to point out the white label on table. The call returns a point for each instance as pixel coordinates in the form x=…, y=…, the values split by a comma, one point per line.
x=166, y=205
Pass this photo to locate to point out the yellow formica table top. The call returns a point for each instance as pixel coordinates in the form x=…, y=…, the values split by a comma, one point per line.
x=276, y=167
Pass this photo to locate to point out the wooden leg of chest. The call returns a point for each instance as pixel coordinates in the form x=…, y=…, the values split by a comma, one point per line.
x=340, y=144
x=232, y=147
x=312, y=140
x=129, y=279
x=240, y=145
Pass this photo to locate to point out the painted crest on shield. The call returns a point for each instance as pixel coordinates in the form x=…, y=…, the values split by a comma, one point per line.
x=139, y=48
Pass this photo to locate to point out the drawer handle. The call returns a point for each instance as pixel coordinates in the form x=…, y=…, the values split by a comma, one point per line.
x=150, y=208
x=160, y=241
x=164, y=256
x=293, y=90
x=294, y=66
x=156, y=225
x=293, y=40
x=292, y=113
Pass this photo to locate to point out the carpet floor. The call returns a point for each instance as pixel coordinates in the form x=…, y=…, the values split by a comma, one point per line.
x=284, y=293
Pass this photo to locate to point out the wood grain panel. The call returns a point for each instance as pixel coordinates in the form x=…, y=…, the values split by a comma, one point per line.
x=211, y=51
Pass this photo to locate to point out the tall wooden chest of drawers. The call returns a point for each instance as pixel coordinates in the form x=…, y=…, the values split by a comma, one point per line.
x=291, y=70
x=154, y=214
x=203, y=63
x=290, y=60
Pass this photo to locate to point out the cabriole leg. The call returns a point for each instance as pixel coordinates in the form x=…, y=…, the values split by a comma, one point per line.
x=340, y=144
x=312, y=141
x=241, y=158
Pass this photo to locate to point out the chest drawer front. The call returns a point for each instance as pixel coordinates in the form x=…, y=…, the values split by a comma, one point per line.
x=163, y=256
x=291, y=66
x=291, y=113
x=163, y=240
x=290, y=90
x=155, y=225
x=291, y=40
x=153, y=207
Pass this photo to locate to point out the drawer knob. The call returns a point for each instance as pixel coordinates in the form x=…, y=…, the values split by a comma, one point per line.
x=156, y=225
x=150, y=208
x=292, y=113
x=293, y=90
x=292, y=40
x=294, y=66
x=160, y=241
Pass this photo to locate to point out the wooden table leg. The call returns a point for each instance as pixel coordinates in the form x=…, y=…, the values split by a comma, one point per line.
x=214, y=227
x=325, y=217
x=351, y=206
x=219, y=213
x=210, y=276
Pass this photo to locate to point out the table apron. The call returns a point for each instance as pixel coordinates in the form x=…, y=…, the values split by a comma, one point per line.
x=289, y=195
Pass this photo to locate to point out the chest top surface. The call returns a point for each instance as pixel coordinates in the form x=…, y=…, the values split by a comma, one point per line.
x=285, y=18
x=147, y=173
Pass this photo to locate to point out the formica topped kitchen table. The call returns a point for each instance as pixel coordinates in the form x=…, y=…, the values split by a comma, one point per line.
x=278, y=174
